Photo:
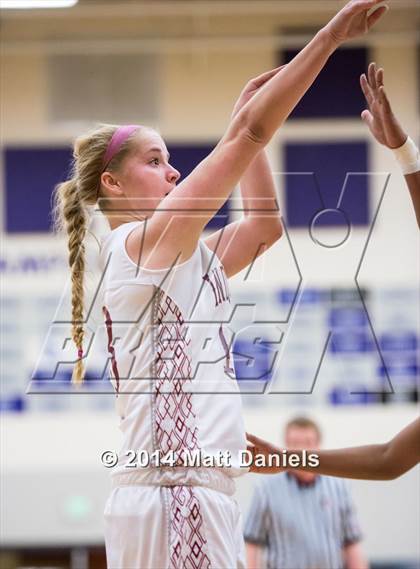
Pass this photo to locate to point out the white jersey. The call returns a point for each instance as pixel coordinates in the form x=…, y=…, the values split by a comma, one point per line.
x=171, y=366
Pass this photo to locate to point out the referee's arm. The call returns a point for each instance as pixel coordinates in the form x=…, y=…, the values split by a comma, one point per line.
x=254, y=556
x=354, y=557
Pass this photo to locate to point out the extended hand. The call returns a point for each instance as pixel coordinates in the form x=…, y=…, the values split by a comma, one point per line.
x=353, y=20
x=380, y=119
x=252, y=87
x=259, y=447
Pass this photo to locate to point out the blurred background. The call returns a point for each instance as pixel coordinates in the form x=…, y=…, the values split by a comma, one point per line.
x=326, y=321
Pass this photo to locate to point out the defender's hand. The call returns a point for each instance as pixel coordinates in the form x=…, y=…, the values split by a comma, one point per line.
x=379, y=117
x=260, y=447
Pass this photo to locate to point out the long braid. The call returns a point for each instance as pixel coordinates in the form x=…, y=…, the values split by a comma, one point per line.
x=75, y=217
x=71, y=201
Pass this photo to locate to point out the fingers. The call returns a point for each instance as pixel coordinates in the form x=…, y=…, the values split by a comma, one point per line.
x=274, y=71
x=372, y=75
x=249, y=436
x=367, y=118
x=373, y=87
x=252, y=438
x=376, y=15
x=374, y=79
x=380, y=77
x=362, y=5
x=366, y=89
x=264, y=77
x=383, y=98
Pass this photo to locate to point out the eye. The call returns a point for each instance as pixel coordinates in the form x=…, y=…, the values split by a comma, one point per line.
x=155, y=161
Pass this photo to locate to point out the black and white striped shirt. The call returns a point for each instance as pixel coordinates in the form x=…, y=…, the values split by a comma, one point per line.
x=302, y=526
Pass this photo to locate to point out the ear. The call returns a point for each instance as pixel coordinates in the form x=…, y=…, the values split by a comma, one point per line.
x=111, y=184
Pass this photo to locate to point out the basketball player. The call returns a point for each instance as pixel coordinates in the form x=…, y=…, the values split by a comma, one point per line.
x=165, y=296
x=390, y=460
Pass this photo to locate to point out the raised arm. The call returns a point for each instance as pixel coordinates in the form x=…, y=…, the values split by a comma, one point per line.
x=371, y=462
x=239, y=243
x=204, y=191
x=387, y=130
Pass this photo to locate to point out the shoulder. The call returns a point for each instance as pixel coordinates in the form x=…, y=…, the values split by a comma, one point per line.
x=156, y=252
x=118, y=235
x=113, y=257
x=208, y=251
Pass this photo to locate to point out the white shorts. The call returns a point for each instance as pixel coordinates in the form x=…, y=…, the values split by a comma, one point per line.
x=173, y=527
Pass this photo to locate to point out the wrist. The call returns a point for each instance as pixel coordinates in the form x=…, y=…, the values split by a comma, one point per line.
x=330, y=39
x=399, y=137
x=408, y=157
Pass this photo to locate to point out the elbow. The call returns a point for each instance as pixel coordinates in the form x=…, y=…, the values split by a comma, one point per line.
x=252, y=128
x=393, y=471
x=268, y=232
x=277, y=229
x=256, y=133
x=389, y=474
x=265, y=230
x=389, y=467
x=273, y=231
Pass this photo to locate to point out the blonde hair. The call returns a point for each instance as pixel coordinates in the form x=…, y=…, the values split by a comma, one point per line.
x=71, y=201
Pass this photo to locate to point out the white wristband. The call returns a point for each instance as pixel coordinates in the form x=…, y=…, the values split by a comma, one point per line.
x=408, y=157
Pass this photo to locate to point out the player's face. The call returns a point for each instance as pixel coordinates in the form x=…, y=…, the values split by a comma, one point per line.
x=147, y=175
x=302, y=438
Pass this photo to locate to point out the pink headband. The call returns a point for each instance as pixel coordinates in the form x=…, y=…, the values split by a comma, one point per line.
x=117, y=140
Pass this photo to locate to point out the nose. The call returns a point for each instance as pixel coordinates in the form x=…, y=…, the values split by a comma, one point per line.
x=173, y=175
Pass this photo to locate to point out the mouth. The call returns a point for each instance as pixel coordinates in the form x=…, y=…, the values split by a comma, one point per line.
x=167, y=193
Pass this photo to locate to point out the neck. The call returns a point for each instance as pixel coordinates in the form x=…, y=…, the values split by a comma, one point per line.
x=117, y=220
x=301, y=481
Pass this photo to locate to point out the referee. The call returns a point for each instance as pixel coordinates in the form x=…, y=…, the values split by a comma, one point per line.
x=301, y=519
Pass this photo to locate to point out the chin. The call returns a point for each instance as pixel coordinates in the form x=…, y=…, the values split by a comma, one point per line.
x=307, y=477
